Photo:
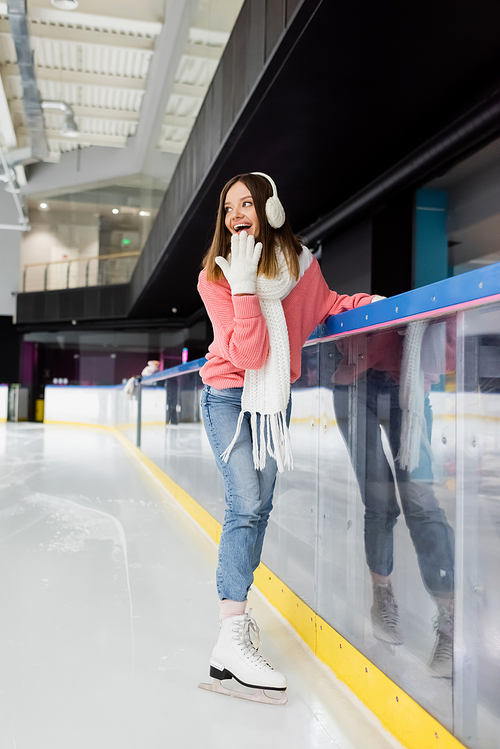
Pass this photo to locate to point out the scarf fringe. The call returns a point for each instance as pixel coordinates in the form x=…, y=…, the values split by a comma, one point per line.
x=411, y=399
x=227, y=452
x=272, y=438
x=266, y=391
x=413, y=427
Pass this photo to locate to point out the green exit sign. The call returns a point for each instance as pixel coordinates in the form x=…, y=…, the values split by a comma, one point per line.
x=125, y=241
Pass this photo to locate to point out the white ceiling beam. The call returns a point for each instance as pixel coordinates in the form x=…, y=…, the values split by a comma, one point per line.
x=203, y=51
x=90, y=166
x=172, y=146
x=92, y=20
x=192, y=92
x=175, y=121
x=119, y=115
x=100, y=113
x=83, y=79
x=93, y=139
x=120, y=39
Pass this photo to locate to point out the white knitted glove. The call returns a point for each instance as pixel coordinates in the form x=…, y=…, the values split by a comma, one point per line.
x=240, y=269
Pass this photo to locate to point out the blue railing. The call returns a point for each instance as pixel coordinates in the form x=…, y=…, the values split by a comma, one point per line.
x=448, y=295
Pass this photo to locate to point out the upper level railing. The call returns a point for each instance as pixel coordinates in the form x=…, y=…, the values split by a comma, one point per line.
x=70, y=273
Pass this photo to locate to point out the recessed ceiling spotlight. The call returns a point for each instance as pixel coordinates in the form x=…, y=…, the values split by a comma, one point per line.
x=43, y=206
x=65, y=4
x=115, y=210
x=144, y=213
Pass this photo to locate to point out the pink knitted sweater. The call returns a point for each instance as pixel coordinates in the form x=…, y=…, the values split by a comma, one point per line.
x=241, y=339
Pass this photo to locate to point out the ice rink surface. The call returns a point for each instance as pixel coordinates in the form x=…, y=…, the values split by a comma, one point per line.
x=109, y=615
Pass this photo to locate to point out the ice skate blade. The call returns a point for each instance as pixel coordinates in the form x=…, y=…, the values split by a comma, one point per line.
x=258, y=696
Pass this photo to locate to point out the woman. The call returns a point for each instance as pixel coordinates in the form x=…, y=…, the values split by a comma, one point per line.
x=264, y=294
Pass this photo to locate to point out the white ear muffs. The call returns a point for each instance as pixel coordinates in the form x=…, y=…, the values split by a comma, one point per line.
x=274, y=210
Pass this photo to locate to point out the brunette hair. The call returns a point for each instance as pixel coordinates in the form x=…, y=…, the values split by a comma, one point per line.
x=284, y=238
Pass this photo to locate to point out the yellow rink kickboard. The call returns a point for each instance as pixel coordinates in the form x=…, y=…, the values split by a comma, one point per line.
x=399, y=713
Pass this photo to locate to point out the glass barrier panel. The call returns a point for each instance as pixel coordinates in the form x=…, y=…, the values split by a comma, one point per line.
x=387, y=502
x=477, y=653
x=388, y=527
x=180, y=447
x=290, y=545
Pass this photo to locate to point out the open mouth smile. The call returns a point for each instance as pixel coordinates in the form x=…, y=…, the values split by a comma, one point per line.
x=237, y=228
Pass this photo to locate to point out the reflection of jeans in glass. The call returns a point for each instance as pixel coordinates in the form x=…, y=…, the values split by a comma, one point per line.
x=378, y=400
x=248, y=492
x=172, y=397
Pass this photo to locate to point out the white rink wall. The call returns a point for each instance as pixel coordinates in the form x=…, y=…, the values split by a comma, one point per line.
x=103, y=406
x=4, y=401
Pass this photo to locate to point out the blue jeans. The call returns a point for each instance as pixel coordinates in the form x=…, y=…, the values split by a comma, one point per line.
x=430, y=532
x=248, y=492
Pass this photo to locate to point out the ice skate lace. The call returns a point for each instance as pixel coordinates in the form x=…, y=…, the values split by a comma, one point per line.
x=387, y=606
x=247, y=634
x=443, y=624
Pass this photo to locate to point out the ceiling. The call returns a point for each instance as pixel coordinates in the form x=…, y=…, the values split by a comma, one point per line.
x=114, y=62
x=363, y=85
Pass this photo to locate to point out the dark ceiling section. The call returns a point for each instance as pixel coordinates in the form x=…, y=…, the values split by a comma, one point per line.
x=326, y=101
x=263, y=36
x=359, y=87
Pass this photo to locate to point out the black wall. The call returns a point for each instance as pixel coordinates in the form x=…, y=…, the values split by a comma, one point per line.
x=376, y=254
x=392, y=246
x=346, y=260
x=9, y=358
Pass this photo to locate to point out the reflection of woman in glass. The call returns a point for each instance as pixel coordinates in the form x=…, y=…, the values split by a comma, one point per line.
x=264, y=300
x=391, y=381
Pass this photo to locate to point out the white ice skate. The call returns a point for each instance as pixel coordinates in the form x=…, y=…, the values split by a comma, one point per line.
x=235, y=656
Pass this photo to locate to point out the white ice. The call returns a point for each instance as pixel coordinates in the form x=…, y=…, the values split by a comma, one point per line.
x=109, y=615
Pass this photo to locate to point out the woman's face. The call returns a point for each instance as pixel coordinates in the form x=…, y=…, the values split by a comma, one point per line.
x=240, y=213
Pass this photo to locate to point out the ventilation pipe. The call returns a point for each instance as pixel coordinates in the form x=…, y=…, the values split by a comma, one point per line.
x=9, y=177
x=69, y=127
x=16, y=10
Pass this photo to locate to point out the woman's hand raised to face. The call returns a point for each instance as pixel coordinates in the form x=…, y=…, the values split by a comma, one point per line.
x=240, y=269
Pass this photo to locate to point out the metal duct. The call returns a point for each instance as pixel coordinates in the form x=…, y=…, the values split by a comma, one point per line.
x=13, y=189
x=31, y=98
x=69, y=128
x=457, y=140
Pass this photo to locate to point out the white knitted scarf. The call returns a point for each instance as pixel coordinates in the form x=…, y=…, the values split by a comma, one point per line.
x=266, y=391
x=411, y=399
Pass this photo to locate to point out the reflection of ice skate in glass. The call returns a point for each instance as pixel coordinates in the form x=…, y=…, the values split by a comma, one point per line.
x=235, y=656
x=385, y=615
x=441, y=663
